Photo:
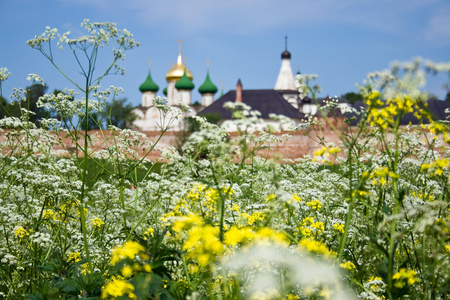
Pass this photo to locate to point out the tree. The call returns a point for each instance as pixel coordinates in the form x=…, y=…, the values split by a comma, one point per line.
x=94, y=121
x=3, y=104
x=119, y=113
x=352, y=97
x=14, y=109
x=447, y=98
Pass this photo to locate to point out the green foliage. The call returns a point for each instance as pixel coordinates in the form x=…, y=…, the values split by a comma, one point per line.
x=29, y=102
x=119, y=113
x=194, y=125
x=352, y=97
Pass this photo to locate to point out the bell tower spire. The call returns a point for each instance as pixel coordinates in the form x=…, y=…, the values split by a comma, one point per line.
x=285, y=80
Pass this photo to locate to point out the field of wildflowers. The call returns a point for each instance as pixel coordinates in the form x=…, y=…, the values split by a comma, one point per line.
x=220, y=220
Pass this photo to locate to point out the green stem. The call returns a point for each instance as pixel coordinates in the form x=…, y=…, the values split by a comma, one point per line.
x=349, y=213
x=346, y=230
x=84, y=173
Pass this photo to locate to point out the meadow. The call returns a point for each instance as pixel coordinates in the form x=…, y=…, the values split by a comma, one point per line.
x=367, y=218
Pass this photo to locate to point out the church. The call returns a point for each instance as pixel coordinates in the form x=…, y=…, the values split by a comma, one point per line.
x=285, y=98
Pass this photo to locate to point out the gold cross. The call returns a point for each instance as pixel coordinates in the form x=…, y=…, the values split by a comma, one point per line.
x=207, y=64
x=180, y=41
x=149, y=63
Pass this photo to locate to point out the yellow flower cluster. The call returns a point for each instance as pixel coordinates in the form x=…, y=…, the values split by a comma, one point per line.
x=74, y=257
x=254, y=217
x=323, y=154
x=237, y=235
x=384, y=115
x=97, y=223
x=437, y=128
x=201, y=242
x=338, y=227
x=447, y=249
x=424, y=196
x=296, y=198
x=48, y=214
x=148, y=233
x=21, y=232
x=404, y=276
x=437, y=167
x=128, y=250
x=270, y=197
x=128, y=270
x=200, y=200
x=309, y=226
x=315, y=204
x=117, y=288
x=86, y=268
x=67, y=208
x=187, y=222
x=315, y=247
x=348, y=265
x=381, y=175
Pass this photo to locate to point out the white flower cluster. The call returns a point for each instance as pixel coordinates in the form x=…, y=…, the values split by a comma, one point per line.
x=408, y=78
x=4, y=74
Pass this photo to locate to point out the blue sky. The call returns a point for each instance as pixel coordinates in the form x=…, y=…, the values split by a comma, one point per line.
x=341, y=41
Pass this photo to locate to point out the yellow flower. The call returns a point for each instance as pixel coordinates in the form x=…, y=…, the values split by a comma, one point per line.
x=127, y=250
x=149, y=232
x=97, y=223
x=147, y=268
x=270, y=197
x=266, y=234
x=404, y=276
x=339, y=227
x=235, y=235
x=74, y=257
x=126, y=271
x=314, y=204
x=315, y=247
x=117, y=288
x=348, y=266
x=186, y=222
x=48, y=214
x=86, y=268
x=256, y=216
x=296, y=198
x=21, y=232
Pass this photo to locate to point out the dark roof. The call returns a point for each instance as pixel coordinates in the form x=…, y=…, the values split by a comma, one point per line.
x=437, y=108
x=264, y=101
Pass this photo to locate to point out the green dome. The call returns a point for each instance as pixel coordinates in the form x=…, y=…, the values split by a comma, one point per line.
x=165, y=91
x=149, y=85
x=184, y=83
x=207, y=86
